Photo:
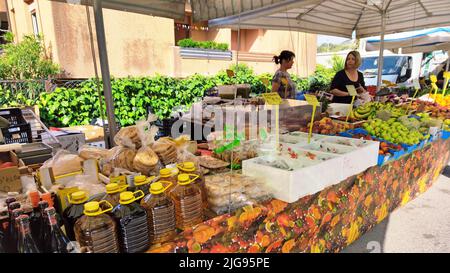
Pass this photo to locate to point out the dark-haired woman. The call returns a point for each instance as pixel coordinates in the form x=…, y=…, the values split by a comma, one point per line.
x=281, y=81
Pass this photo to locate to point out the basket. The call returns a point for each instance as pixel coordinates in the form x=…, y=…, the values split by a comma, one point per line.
x=13, y=115
x=19, y=130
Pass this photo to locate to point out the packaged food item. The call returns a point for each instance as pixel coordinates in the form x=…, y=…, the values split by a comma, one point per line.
x=210, y=162
x=132, y=223
x=166, y=150
x=122, y=157
x=187, y=198
x=86, y=183
x=63, y=163
x=74, y=211
x=128, y=137
x=160, y=212
x=183, y=153
x=90, y=152
x=190, y=168
x=96, y=231
x=146, y=161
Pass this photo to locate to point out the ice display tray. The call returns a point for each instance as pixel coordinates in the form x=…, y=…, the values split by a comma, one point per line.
x=295, y=175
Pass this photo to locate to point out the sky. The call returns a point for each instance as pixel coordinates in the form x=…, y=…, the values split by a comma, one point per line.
x=330, y=39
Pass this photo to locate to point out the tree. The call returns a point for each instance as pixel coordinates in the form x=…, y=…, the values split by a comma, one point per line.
x=26, y=59
x=337, y=63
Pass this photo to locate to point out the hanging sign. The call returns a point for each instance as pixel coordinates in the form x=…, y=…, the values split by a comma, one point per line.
x=312, y=100
x=352, y=92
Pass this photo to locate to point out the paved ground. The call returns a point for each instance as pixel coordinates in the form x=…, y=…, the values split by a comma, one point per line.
x=423, y=225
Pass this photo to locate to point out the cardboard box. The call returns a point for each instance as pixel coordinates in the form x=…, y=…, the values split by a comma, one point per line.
x=92, y=133
x=69, y=141
x=10, y=177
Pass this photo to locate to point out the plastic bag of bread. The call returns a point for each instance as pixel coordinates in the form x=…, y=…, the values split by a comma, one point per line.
x=122, y=157
x=183, y=153
x=64, y=162
x=146, y=160
x=128, y=137
x=166, y=150
x=88, y=183
x=89, y=152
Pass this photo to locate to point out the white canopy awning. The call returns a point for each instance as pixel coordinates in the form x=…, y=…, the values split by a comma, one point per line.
x=414, y=41
x=202, y=10
x=342, y=17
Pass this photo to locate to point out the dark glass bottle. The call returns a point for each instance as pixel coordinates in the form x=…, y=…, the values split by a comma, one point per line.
x=51, y=203
x=13, y=231
x=4, y=223
x=25, y=242
x=73, y=212
x=55, y=241
x=132, y=223
x=35, y=217
x=43, y=226
x=9, y=242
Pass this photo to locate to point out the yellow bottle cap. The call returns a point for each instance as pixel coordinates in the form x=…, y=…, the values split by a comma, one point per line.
x=183, y=178
x=78, y=197
x=165, y=172
x=126, y=196
x=156, y=188
x=139, y=178
x=188, y=166
x=91, y=207
x=129, y=197
x=112, y=188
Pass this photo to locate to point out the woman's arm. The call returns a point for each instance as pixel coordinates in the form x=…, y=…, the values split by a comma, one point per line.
x=275, y=86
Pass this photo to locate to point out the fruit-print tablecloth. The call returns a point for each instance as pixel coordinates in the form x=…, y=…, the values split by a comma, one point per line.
x=327, y=221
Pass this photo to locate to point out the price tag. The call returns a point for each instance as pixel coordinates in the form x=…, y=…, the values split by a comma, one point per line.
x=230, y=73
x=312, y=100
x=272, y=98
x=351, y=90
x=447, y=78
x=433, y=78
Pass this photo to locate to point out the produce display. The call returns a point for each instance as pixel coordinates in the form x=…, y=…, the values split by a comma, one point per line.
x=441, y=100
x=393, y=131
x=325, y=126
x=371, y=110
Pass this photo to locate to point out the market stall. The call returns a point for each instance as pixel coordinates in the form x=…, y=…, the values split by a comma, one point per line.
x=305, y=187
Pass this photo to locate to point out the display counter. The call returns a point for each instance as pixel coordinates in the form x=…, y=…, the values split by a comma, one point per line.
x=326, y=221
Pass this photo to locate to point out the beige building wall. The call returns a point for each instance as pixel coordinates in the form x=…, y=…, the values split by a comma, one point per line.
x=3, y=6
x=141, y=45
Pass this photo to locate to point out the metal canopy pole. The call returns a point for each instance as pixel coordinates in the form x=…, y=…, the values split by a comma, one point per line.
x=448, y=61
x=104, y=65
x=380, y=57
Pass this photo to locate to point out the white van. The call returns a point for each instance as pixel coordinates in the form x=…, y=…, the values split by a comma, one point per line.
x=400, y=69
